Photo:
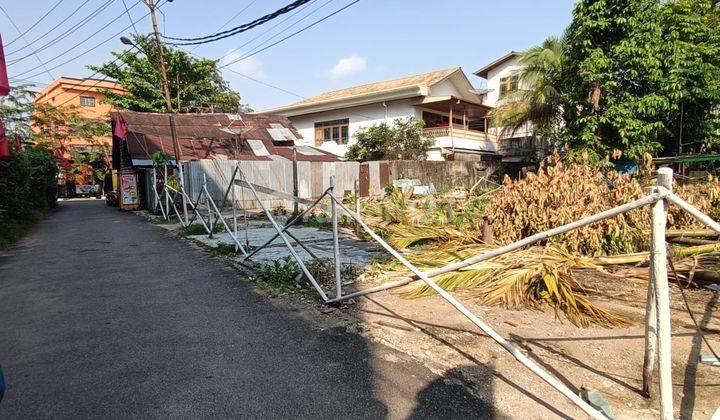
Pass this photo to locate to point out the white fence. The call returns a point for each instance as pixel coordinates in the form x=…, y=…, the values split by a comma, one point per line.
x=312, y=179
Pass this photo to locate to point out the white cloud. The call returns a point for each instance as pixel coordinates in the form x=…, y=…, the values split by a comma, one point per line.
x=251, y=66
x=348, y=66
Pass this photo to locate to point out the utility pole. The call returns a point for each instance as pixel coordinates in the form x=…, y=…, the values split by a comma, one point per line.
x=168, y=100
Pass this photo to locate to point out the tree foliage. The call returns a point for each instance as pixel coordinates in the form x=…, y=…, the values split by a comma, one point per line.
x=537, y=98
x=629, y=75
x=196, y=84
x=57, y=127
x=403, y=140
x=16, y=109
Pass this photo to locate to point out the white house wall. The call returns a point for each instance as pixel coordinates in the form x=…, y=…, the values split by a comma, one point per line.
x=493, y=80
x=360, y=117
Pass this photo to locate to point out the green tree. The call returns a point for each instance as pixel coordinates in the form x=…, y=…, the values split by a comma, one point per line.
x=196, y=85
x=16, y=109
x=403, y=140
x=538, y=97
x=613, y=76
x=56, y=127
x=691, y=58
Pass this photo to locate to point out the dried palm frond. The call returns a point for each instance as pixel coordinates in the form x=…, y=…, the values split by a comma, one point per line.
x=534, y=278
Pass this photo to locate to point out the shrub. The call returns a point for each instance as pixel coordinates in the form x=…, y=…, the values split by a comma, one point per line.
x=28, y=189
x=404, y=140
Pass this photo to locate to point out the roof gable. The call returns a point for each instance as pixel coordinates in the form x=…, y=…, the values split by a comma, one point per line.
x=483, y=72
x=416, y=85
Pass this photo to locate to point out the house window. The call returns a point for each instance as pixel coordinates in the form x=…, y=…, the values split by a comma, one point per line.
x=335, y=130
x=87, y=101
x=508, y=84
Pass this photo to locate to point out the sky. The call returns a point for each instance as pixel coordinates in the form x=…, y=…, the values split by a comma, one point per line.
x=369, y=41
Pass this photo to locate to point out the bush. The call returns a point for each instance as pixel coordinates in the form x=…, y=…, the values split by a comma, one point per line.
x=404, y=140
x=28, y=189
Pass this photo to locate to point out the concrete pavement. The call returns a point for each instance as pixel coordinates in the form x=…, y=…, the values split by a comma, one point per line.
x=105, y=315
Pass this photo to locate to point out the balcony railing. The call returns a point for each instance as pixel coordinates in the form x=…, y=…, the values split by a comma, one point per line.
x=458, y=131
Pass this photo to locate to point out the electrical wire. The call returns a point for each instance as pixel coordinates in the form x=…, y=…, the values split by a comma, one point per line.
x=84, y=40
x=127, y=11
x=90, y=49
x=268, y=30
x=60, y=22
x=69, y=31
x=238, y=29
x=35, y=24
x=289, y=36
x=232, y=18
x=287, y=28
x=44, y=66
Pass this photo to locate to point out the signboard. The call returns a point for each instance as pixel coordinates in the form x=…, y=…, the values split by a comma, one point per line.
x=87, y=189
x=129, y=196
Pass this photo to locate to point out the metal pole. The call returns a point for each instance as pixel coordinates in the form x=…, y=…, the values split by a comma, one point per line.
x=296, y=189
x=224, y=223
x=357, y=206
x=658, y=270
x=167, y=198
x=336, y=243
x=208, y=199
x=519, y=356
x=292, y=222
x=277, y=227
x=234, y=211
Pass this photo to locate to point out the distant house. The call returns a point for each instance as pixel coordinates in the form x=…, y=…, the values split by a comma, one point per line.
x=454, y=114
x=85, y=97
x=502, y=77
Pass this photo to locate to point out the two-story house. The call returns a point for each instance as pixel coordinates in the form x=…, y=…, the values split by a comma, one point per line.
x=453, y=111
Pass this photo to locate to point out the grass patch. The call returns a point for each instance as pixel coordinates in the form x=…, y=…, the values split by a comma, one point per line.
x=173, y=219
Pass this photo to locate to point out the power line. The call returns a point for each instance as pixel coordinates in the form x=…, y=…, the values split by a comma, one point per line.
x=67, y=32
x=127, y=11
x=238, y=29
x=268, y=30
x=265, y=84
x=35, y=24
x=289, y=36
x=90, y=49
x=53, y=28
x=23, y=38
x=287, y=28
x=232, y=18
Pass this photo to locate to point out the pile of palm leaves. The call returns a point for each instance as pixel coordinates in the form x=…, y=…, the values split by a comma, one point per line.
x=537, y=278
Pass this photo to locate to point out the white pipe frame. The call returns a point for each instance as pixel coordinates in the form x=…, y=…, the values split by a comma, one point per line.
x=515, y=352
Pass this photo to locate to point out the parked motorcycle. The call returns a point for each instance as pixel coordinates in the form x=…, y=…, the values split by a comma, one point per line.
x=111, y=199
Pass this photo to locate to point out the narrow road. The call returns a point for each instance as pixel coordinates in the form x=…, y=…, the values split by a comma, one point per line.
x=105, y=315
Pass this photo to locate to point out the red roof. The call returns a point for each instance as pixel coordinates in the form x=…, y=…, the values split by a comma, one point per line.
x=202, y=136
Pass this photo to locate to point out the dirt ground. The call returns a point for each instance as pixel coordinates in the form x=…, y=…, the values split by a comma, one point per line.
x=606, y=360
x=609, y=361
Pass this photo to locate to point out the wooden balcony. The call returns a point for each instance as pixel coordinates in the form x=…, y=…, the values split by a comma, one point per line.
x=460, y=132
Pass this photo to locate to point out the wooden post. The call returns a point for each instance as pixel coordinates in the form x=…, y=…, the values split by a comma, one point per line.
x=659, y=286
x=450, y=127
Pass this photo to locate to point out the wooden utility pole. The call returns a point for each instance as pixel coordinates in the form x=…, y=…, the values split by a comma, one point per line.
x=168, y=100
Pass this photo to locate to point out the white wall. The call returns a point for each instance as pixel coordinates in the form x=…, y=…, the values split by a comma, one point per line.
x=360, y=116
x=493, y=80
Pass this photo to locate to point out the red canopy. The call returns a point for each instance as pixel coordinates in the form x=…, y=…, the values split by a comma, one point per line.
x=4, y=146
x=4, y=83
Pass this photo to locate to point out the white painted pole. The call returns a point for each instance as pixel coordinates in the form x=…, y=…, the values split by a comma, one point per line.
x=234, y=211
x=697, y=214
x=336, y=242
x=519, y=356
x=167, y=195
x=650, y=336
x=658, y=267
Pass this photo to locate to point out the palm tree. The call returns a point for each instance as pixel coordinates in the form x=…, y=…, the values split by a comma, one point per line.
x=537, y=99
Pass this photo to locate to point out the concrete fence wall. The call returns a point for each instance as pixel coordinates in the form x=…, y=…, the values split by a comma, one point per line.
x=313, y=178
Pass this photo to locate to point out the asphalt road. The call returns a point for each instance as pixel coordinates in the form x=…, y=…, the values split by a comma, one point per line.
x=105, y=315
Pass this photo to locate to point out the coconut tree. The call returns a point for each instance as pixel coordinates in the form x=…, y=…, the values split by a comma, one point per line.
x=537, y=99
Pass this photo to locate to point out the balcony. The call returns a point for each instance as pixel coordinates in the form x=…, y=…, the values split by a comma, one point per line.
x=459, y=132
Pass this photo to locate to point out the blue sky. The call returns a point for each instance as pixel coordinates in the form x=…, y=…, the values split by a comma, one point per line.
x=370, y=41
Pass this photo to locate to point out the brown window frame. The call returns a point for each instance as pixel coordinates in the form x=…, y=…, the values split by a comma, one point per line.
x=333, y=130
x=94, y=101
x=509, y=84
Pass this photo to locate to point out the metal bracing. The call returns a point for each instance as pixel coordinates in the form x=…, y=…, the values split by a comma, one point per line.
x=658, y=314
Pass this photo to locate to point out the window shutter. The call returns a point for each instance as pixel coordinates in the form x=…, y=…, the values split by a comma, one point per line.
x=318, y=136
